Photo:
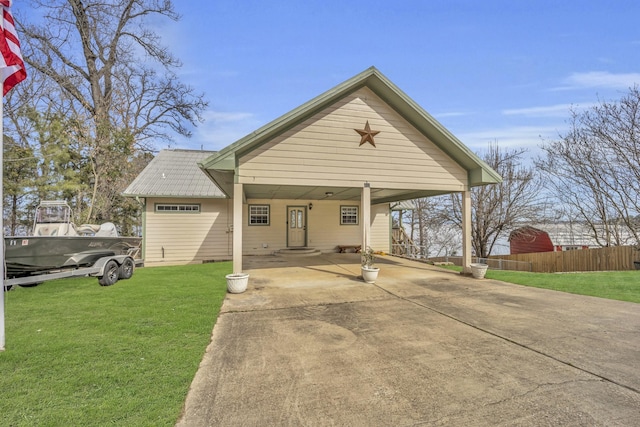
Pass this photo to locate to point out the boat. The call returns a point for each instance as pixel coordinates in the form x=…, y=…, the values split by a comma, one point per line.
x=57, y=243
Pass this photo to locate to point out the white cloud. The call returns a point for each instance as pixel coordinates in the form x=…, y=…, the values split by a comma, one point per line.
x=512, y=136
x=218, y=117
x=220, y=129
x=558, y=110
x=601, y=79
x=605, y=60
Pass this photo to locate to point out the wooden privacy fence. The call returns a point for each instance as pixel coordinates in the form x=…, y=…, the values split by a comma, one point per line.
x=601, y=259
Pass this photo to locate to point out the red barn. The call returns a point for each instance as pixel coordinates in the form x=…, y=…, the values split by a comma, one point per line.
x=529, y=239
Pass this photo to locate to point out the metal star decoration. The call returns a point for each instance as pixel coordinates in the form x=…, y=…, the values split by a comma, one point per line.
x=367, y=134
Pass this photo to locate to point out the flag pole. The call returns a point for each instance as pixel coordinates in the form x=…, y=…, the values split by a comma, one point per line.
x=2, y=334
x=12, y=72
x=2, y=273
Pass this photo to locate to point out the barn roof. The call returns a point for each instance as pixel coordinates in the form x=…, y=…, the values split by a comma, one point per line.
x=174, y=173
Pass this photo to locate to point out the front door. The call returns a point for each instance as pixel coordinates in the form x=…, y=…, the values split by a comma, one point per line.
x=296, y=226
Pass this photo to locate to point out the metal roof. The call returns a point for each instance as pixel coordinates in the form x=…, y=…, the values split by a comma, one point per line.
x=579, y=234
x=174, y=173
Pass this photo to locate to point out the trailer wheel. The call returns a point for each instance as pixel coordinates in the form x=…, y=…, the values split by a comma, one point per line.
x=126, y=269
x=110, y=274
x=30, y=285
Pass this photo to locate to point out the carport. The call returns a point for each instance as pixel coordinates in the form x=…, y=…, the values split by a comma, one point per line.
x=327, y=172
x=311, y=344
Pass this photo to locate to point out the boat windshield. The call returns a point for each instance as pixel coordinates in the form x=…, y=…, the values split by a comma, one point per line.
x=53, y=214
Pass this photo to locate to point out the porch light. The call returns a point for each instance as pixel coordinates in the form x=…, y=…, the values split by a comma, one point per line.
x=329, y=193
x=310, y=206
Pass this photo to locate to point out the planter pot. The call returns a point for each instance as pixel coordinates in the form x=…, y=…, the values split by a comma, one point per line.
x=636, y=265
x=237, y=282
x=479, y=270
x=370, y=274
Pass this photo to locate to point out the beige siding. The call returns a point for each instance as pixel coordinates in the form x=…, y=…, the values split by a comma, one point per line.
x=193, y=238
x=188, y=237
x=324, y=231
x=255, y=237
x=325, y=148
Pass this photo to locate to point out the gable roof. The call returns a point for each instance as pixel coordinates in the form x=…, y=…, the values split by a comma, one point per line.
x=174, y=173
x=479, y=172
x=525, y=231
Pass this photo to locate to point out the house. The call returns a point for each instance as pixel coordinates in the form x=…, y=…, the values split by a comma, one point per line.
x=323, y=175
x=571, y=235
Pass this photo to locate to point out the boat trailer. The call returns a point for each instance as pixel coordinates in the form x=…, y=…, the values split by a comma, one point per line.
x=108, y=270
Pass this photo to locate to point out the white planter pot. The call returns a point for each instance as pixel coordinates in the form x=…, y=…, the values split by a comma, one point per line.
x=479, y=270
x=237, y=282
x=370, y=274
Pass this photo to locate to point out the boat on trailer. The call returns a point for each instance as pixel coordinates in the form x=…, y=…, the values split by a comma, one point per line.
x=57, y=245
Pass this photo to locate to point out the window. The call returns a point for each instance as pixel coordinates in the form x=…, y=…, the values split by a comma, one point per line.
x=178, y=208
x=258, y=214
x=348, y=215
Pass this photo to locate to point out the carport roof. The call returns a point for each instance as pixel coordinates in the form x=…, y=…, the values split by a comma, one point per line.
x=479, y=172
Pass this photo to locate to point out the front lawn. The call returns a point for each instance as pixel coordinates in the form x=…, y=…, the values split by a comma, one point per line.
x=618, y=285
x=81, y=354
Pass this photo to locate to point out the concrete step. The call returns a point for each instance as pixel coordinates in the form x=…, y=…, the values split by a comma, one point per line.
x=299, y=252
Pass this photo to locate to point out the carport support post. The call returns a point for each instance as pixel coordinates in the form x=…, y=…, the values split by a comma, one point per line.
x=365, y=205
x=466, y=232
x=238, y=196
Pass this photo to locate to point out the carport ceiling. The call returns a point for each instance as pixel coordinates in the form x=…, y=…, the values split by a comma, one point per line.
x=293, y=192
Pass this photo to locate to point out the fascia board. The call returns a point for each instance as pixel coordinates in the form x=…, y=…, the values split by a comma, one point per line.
x=483, y=176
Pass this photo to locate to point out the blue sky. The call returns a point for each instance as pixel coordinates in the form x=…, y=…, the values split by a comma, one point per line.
x=504, y=71
x=492, y=70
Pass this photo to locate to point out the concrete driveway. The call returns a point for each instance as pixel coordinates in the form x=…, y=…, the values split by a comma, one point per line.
x=309, y=344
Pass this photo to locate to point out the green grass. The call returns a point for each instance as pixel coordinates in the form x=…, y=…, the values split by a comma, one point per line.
x=81, y=354
x=618, y=285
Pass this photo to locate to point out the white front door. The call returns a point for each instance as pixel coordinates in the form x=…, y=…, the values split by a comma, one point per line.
x=296, y=226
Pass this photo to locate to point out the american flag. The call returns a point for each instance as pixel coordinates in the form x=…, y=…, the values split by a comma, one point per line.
x=12, y=68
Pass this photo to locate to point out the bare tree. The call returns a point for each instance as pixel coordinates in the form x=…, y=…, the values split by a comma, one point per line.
x=112, y=79
x=594, y=169
x=497, y=209
x=430, y=230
